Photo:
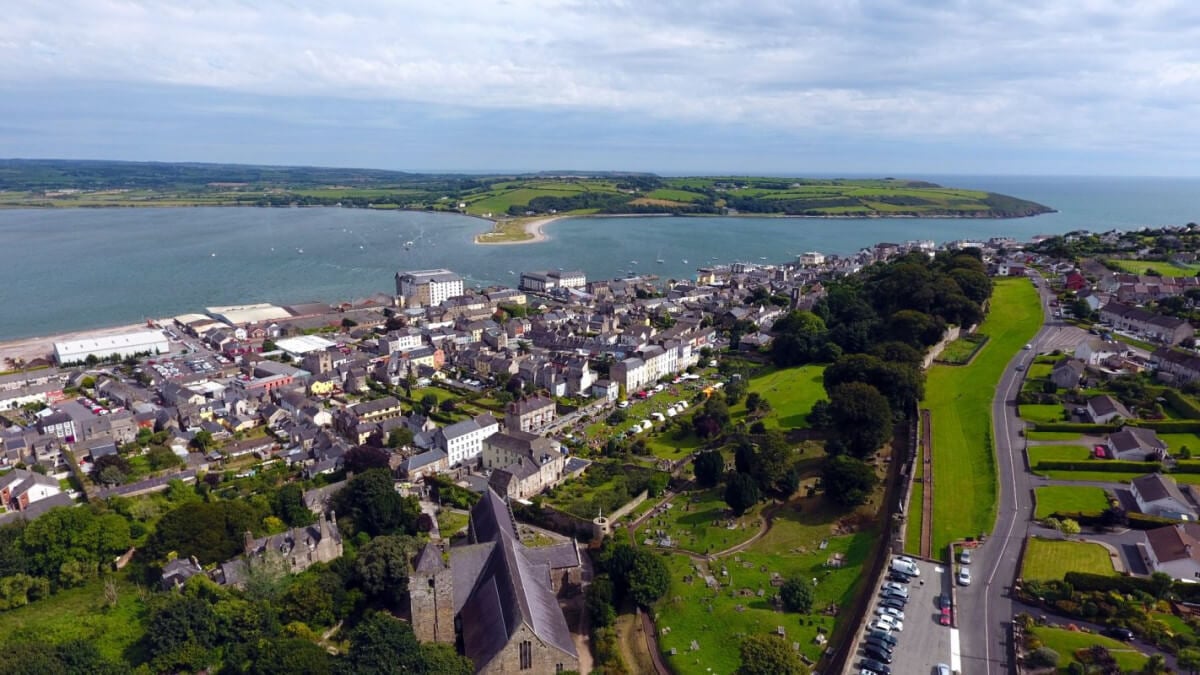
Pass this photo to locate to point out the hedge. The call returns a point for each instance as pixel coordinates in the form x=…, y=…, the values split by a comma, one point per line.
x=1109, y=466
x=1078, y=427
x=1169, y=426
x=1083, y=581
x=1143, y=521
x=1186, y=466
x=1182, y=404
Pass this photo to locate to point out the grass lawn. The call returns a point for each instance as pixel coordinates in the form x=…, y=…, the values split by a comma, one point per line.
x=716, y=619
x=1174, y=624
x=81, y=614
x=960, y=397
x=451, y=521
x=1051, y=559
x=1053, y=435
x=961, y=350
x=791, y=393
x=1164, y=268
x=1041, y=412
x=1069, y=499
x=1095, y=476
x=1039, y=371
x=1176, y=441
x=1067, y=642
x=1066, y=453
x=698, y=521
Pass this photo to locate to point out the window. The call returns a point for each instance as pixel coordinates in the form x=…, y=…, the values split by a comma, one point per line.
x=526, y=653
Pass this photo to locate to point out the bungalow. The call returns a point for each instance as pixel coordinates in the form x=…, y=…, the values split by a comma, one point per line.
x=1159, y=495
x=1104, y=409
x=1137, y=444
x=1173, y=550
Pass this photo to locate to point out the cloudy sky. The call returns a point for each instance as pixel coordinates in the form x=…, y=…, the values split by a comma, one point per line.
x=779, y=86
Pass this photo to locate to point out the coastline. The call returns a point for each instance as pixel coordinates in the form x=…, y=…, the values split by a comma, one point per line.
x=533, y=229
x=28, y=349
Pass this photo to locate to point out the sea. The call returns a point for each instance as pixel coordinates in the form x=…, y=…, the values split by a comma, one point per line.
x=67, y=270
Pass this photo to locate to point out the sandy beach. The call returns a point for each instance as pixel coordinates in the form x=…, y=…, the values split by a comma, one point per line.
x=534, y=228
x=28, y=349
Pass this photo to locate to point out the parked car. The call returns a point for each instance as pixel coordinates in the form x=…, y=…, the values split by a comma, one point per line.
x=882, y=624
x=889, y=611
x=964, y=576
x=899, y=577
x=893, y=593
x=893, y=601
x=941, y=669
x=1122, y=634
x=884, y=637
x=875, y=667
x=944, y=601
x=887, y=647
x=876, y=654
x=965, y=556
x=898, y=587
x=944, y=617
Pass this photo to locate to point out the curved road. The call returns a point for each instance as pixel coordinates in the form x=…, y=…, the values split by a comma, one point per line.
x=985, y=609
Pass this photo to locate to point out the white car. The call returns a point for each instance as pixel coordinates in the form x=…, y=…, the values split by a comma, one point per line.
x=884, y=626
x=964, y=576
x=896, y=587
x=890, y=611
x=965, y=556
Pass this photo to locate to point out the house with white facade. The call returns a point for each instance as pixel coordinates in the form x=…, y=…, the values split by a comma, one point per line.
x=1159, y=495
x=19, y=489
x=463, y=442
x=1136, y=444
x=1173, y=550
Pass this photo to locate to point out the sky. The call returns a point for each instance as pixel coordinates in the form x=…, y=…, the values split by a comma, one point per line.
x=985, y=87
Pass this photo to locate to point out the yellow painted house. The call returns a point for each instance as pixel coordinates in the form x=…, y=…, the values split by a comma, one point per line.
x=321, y=387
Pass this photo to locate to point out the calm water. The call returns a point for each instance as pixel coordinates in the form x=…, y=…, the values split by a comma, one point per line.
x=63, y=270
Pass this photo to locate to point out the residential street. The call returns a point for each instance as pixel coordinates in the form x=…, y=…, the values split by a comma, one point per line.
x=985, y=609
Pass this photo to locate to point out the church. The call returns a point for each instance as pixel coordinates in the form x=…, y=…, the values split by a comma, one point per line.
x=495, y=599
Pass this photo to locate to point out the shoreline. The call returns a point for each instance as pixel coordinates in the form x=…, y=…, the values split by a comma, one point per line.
x=535, y=229
x=30, y=348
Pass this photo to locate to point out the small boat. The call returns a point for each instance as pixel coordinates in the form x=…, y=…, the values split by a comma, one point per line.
x=213, y=254
x=685, y=261
x=299, y=250
x=762, y=257
x=512, y=272
x=658, y=258
x=632, y=262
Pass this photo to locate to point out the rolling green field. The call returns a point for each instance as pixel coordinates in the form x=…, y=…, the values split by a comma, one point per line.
x=1068, y=499
x=960, y=398
x=1067, y=642
x=1051, y=559
x=1166, y=269
x=716, y=619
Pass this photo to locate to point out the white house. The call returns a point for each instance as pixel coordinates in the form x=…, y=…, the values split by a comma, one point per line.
x=1104, y=409
x=1136, y=444
x=1173, y=550
x=463, y=442
x=20, y=488
x=1158, y=495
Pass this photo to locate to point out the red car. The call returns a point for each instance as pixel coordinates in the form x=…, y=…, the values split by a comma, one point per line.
x=1101, y=452
x=944, y=619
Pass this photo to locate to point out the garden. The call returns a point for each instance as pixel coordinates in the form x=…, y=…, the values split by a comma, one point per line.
x=1051, y=559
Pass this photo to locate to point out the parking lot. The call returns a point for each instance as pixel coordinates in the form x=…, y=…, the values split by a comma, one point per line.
x=924, y=642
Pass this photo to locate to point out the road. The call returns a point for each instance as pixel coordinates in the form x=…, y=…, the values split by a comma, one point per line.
x=985, y=608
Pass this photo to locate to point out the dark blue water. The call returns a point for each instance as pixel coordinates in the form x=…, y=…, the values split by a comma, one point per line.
x=64, y=270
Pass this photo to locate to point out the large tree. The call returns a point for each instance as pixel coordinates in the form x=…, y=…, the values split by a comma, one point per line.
x=382, y=567
x=211, y=531
x=373, y=505
x=383, y=645
x=708, y=467
x=848, y=481
x=797, y=595
x=861, y=418
x=741, y=492
x=769, y=655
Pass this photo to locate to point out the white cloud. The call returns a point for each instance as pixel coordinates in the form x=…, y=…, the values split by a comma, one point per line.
x=1080, y=73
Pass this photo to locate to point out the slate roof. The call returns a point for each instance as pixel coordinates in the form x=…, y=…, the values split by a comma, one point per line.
x=1135, y=438
x=499, y=585
x=1155, y=486
x=1175, y=542
x=429, y=560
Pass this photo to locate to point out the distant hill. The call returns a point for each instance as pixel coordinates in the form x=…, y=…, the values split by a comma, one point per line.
x=26, y=183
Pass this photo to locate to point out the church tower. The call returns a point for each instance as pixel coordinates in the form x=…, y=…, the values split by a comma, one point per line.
x=431, y=597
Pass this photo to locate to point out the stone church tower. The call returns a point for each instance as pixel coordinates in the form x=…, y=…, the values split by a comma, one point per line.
x=431, y=597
